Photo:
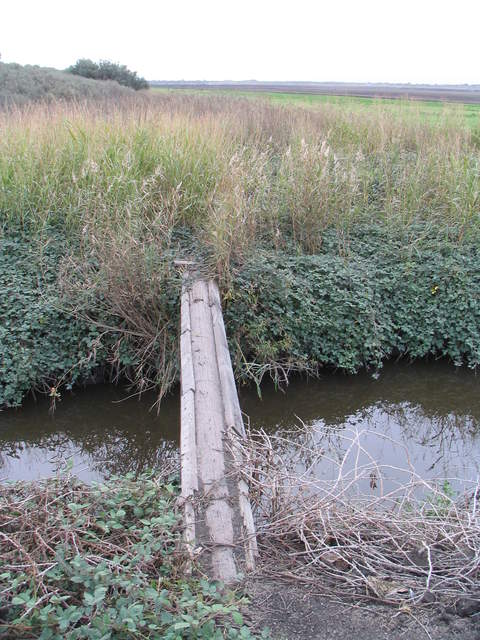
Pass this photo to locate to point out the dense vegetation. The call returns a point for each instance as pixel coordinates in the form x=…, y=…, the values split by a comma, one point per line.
x=102, y=563
x=340, y=237
x=20, y=85
x=35, y=335
x=107, y=70
x=415, y=109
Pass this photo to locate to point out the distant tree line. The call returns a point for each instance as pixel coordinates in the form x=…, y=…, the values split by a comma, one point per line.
x=107, y=70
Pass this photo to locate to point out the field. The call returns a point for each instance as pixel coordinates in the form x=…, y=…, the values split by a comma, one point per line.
x=343, y=232
x=421, y=110
x=442, y=93
x=410, y=101
x=341, y=235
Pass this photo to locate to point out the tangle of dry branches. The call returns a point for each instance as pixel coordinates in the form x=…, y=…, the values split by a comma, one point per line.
x=349, y=525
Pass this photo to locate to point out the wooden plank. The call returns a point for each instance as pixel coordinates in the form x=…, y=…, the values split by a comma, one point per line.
x=184, y=309
x=210, y=413
x=188, y=449
x=188, y=445
x=233, y=421
x=187, y=378
x=233, y=413
x=209, y=436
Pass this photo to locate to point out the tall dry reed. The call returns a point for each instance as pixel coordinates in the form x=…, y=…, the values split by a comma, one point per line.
x=234, y=171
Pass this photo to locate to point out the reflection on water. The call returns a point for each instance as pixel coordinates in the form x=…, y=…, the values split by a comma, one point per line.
x=96, y=428
x=424, y=417
x=431, y=409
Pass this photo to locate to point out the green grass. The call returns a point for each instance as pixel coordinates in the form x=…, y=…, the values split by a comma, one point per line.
x=425, y=110
x=207, y=162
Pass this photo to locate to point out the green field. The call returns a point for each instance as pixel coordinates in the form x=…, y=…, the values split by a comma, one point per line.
x=432, y=110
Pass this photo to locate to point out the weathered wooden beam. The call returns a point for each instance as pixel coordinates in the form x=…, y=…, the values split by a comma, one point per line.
x=188, y=448
x=233, y=422
x=209, y=437
x=210, y=415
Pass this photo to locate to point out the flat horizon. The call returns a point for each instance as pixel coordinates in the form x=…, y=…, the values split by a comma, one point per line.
x=315, y=82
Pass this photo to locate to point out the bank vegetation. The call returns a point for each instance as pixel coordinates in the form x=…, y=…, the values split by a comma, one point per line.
x=340, y=238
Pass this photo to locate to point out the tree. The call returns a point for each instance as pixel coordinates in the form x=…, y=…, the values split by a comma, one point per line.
x=107, y=70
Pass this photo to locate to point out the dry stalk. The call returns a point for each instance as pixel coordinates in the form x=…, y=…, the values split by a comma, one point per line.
x=36, y=522
x=345, y=526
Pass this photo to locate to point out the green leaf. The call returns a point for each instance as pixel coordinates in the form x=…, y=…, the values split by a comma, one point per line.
x=237, y=617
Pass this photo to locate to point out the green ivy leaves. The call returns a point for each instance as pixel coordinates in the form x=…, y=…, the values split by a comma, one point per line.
x=38, y=342
x=86, y=582
x=354, y=311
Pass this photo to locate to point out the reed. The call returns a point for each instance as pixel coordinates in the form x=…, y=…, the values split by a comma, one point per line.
x=130, y=185
x=232, y=170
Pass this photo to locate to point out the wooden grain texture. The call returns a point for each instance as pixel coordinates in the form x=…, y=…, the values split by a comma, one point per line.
x=209, y=437
x=233, y=413
x=188, y=444
x=188, y=449
x=187, y=376
x=211, y=415
x=233, y=422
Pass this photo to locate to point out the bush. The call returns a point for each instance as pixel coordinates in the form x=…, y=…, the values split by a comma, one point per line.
x=384, y=299
x=39, y=344
x=282, y=310
x=107, y=70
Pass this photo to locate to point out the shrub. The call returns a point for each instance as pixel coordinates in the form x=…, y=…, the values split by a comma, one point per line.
x=20, y=85
x=39, y=343
x=383, y=299
x=107, y=70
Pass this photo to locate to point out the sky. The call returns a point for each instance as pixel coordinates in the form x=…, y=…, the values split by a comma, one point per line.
x=417, y=41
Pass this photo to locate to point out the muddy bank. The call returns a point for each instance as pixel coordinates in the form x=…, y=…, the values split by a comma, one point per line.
x=306, y=614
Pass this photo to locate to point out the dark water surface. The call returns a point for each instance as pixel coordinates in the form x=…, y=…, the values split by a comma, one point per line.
x=428, y=415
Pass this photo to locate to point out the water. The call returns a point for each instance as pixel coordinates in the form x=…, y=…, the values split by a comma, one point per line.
x=96, y=428
x=429, y=413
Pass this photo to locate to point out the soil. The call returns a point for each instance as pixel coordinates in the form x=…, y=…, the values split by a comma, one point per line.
x=296, y=612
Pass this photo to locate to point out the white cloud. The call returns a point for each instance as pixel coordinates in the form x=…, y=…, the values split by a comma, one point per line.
x=350, y=40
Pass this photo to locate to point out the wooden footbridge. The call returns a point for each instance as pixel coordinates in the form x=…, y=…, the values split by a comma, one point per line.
x=217, y=511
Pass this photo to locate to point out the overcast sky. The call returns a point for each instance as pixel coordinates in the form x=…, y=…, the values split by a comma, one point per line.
x=431, y=41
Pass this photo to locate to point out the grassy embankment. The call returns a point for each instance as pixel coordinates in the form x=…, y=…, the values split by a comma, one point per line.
x=20, y=85
x=340, y=236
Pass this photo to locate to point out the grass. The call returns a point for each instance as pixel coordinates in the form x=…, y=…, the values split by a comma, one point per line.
x=361, y=195
x=25, y=84
x=210, y=163
x=424, y=110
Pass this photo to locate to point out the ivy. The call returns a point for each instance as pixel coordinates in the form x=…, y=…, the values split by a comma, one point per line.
x=39, y=343
x=384, y=298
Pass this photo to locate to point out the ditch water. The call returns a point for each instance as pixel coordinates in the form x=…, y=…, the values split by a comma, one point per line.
x=426, y=415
